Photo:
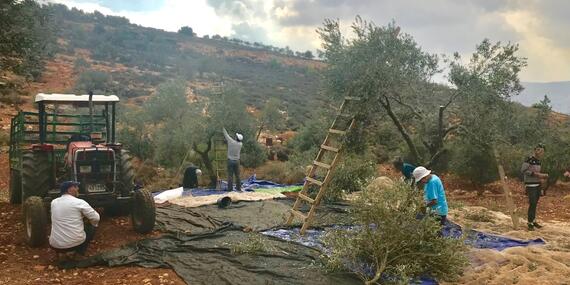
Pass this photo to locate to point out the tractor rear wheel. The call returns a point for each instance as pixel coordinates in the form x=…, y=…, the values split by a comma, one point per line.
x=126, y=174
x=143, y=212
x=15, y=187
x=36, y=175
x=126, y=178
x=35, y=221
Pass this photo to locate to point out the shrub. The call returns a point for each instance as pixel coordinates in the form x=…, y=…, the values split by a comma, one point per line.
x=350, y=176
x=473, y=163
x=4, y=138
x=392, y=242
x=282, y=153
x=253, y=155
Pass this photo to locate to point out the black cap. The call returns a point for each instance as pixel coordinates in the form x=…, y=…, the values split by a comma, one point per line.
x=66, y=185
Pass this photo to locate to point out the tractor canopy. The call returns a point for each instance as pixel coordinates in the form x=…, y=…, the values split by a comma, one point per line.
x=72, y=98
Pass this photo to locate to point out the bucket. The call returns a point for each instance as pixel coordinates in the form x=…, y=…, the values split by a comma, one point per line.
x=224, y=202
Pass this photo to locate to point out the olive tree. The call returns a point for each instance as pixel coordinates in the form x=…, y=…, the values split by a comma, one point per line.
x=392, y=75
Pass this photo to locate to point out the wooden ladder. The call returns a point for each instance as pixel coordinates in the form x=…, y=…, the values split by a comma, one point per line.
x=220, y=159
x=325, y=163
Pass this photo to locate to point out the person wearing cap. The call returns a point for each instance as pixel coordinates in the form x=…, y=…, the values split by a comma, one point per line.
x=190, y=179
x=533, y=180
x=68, y=232
x=234, y=149
x=434, y=193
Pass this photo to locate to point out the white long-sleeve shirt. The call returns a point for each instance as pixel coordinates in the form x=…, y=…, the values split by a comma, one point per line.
x=67, y=214
x=234, y=147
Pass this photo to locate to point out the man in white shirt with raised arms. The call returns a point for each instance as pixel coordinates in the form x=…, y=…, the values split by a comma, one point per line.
x=68, y=232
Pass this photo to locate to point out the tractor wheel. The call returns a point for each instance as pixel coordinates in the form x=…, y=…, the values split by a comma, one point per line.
x=35, y=221
x=36, y=175
x=126, y=175
x=143, y=212
x=15, y=187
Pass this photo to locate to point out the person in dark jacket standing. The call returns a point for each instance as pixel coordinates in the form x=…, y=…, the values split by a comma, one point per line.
x=533, y=180
x=234, y=149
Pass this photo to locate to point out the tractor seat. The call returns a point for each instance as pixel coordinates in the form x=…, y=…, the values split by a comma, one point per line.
x=77, y=138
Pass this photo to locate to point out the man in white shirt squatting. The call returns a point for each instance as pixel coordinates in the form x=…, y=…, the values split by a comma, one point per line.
x=68, y=232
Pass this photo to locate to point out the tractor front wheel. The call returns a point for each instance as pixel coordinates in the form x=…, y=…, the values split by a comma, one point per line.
x=35, y=221
x=143, y=212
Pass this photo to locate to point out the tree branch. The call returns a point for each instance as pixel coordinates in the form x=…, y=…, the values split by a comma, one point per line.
x=407, y=138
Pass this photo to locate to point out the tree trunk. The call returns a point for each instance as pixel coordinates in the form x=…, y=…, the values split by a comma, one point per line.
x=204, y=155
x=259, y=131
x=401, y=129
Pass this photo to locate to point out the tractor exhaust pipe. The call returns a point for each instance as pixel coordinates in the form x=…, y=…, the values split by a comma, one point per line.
x=90, y=112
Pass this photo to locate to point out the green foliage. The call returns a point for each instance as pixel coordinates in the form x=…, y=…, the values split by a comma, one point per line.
x=169, y=102
x=80, y=65
x=270, y=117
x=393, y=242
x=133, y=132
x=473, y=162
x=26, y=37
x=351, y=175
x=187, y=31
x=253, y=154
x=97, y=81
x=310, y=135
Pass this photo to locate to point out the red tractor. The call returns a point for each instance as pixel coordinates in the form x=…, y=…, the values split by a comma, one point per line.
x=72, y=137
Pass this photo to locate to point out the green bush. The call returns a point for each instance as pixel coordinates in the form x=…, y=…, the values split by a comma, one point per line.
x=393, y=242
x=474, y=163
x=253, y=155
x=350, y=176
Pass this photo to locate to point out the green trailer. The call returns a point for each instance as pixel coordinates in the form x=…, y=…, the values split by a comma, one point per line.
x=73, y=137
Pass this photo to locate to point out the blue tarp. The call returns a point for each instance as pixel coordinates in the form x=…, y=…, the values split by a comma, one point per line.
x=249, y=185
x=477, y=239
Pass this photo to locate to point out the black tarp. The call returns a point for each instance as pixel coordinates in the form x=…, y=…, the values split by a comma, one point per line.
x=198, y=246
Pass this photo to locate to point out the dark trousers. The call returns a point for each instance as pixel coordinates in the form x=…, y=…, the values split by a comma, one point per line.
x=89, y=234
x=233, y=169
x=533, y=193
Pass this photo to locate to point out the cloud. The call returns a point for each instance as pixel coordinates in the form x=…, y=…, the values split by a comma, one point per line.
x=252, y=33
x=140, y=5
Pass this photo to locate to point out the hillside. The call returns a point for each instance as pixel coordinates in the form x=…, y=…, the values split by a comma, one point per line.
x=557, y=92
x=109, y=54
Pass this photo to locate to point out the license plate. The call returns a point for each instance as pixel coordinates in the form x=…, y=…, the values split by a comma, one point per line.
x=96, y=188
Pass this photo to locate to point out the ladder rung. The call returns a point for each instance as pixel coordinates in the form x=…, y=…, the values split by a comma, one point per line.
x=306, y=198
x=344, y=115
x=338, y=132
x=330, y=148
x=352, y=98
x=314, y=181
x=320, y=164
x=298, y=214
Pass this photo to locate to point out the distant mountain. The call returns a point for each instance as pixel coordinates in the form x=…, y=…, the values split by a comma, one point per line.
x=558, y=92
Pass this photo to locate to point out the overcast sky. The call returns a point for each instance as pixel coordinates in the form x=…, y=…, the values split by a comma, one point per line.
x=540, y=27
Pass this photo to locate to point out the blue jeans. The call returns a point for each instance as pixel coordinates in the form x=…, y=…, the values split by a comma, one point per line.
x=233, y=169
